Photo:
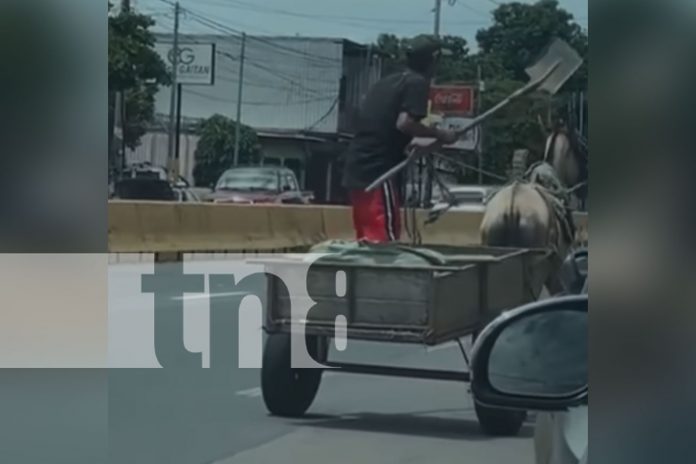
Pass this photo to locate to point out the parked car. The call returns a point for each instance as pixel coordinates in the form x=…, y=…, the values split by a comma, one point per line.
x=535, y=358
x=144, y=189
x=260, y=184
x=144, y=181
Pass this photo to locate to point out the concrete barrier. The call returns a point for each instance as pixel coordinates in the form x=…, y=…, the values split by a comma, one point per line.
x=162, y=227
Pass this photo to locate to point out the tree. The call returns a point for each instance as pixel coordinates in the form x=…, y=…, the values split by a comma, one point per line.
x=215, y=150
x=135, y=69
x=520, y=31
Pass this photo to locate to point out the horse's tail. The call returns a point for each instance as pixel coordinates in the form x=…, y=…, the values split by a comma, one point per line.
x=511, y=219
x=512, y=230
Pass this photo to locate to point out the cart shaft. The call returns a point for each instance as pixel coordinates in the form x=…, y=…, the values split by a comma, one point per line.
x=368, y=369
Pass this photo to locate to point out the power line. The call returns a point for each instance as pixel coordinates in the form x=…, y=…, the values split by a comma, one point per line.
x=472, y=9
x=322, y=17
x=222, y=27
x=321, y=119
x=297, y=53
x=273, y=72
x=292, y=79
x=258, y=103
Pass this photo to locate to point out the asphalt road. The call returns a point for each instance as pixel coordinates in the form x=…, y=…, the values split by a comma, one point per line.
x=205, y=416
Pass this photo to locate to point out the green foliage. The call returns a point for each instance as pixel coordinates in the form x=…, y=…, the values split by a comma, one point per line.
x=520, y=31
x=513, y=127
x=132, y=58
x=136, y=69
x=215, y=150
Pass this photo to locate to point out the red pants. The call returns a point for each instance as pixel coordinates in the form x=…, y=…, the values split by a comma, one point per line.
x=376, y=215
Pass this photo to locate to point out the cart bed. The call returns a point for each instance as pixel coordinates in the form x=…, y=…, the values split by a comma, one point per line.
x=410, y=304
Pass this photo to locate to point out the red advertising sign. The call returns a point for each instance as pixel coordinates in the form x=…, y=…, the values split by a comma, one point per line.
x=452, y=99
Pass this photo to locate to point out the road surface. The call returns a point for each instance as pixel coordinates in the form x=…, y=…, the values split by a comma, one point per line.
x=207, y=416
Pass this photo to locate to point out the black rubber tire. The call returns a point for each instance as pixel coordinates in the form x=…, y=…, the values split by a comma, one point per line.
x=500, y=422
x=287, y=392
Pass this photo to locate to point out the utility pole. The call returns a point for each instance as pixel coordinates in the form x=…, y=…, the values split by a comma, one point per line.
x=438, y=8
x=240, y=84
x=119, y=117
x=426, y=197
x=479, y=150
x=174, y=157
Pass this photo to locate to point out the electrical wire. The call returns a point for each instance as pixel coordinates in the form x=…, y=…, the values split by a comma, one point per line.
x=290, y=51
x=328, y=113
x=339, y=19
x=255, y=103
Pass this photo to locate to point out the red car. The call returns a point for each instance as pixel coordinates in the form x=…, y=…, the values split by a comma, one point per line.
x=252, y=185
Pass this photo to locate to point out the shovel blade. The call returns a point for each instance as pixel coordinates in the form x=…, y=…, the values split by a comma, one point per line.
x=560, y=52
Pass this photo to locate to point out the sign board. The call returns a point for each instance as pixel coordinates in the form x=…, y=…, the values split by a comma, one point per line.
x=452, y=107
x=196, y=62
x=452, y=99
x=469, y=141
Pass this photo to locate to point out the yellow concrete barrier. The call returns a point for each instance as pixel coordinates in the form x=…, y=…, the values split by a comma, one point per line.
x=159, y=227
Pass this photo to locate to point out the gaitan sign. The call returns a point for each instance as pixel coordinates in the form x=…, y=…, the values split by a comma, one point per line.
x=195, y=64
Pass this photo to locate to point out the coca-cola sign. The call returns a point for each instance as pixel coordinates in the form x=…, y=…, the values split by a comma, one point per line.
x=452, y=99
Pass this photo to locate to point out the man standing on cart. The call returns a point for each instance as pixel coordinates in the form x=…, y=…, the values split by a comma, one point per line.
x=388, y=120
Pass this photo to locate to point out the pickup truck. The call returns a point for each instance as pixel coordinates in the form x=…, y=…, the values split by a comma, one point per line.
x=259, y=184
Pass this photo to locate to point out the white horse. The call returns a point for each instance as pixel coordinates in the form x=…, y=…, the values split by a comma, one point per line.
x=525, y=214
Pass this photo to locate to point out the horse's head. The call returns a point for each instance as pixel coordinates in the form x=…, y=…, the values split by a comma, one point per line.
x=567, y=153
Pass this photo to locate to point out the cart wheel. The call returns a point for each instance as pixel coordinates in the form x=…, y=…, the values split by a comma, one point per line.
x=287, y=392
x=500, y=422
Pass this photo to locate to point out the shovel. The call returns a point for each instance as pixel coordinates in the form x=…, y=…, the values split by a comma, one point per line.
x=555, y=66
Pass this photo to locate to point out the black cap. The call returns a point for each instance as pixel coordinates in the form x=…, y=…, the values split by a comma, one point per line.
x=424, y=45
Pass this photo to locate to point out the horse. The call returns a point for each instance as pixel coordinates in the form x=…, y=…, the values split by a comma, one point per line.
x=523, y=215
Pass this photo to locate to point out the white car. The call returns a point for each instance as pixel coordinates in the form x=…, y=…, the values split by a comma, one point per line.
x=534, y=358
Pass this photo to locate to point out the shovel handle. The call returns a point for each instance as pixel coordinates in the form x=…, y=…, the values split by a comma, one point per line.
x=393, y=171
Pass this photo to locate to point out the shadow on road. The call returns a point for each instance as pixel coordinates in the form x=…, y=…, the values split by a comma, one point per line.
x=407, y=424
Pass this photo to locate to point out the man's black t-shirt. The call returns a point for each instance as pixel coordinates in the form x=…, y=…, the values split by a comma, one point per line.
x=378, y=145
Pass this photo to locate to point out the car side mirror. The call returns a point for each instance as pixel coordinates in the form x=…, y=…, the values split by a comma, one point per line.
x=534, y=357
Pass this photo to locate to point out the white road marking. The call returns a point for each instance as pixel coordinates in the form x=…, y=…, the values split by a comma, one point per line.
x=250, y=392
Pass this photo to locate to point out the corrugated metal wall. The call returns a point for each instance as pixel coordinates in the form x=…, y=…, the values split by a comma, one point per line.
x=289, y=83
x=361, y=72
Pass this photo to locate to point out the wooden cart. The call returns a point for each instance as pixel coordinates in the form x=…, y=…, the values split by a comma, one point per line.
x=422, y=304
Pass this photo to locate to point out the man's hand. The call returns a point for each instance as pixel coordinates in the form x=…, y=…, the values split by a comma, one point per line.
x=422, y=145
x=447, y=137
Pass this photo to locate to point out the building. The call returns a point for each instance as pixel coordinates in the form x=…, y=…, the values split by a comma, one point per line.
x=299, y=94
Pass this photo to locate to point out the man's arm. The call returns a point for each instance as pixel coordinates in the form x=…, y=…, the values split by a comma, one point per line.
x=413, y=127
x=414, y=108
